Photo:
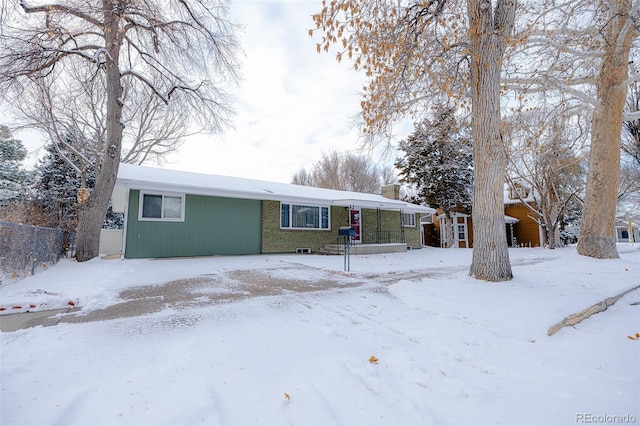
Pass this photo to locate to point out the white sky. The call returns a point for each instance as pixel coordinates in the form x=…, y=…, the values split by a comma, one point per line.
x=292, y=105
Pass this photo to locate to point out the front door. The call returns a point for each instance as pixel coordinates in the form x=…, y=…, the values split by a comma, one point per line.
x=355, y=222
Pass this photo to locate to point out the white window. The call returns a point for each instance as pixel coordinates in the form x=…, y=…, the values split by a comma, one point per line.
x=409, y=219
x=518, y=192
x=161, y=207
x=304, y=217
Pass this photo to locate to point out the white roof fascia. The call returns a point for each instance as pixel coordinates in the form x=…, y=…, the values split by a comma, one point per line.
x=165, y=180
x=415, y=208
x=507, y=219
x=510, y=219
x=195, y=190
x=370, y=204
x=453, y=214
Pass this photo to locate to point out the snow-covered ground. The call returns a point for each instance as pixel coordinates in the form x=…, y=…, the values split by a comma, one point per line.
x=449, y=349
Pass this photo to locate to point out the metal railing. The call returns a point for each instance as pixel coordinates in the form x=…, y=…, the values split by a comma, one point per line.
x=384, y=236
x=23, y=248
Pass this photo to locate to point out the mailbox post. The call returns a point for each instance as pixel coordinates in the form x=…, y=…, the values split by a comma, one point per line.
x=347, y=232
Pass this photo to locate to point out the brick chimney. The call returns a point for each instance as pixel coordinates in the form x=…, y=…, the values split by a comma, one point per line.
x=391, y=191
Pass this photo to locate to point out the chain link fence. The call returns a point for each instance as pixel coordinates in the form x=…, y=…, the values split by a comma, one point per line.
x=24, y=248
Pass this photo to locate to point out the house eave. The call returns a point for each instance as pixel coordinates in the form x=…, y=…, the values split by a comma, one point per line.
x=160, y=180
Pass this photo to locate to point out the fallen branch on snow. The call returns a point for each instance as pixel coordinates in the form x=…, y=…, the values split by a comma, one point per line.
x=586, y=313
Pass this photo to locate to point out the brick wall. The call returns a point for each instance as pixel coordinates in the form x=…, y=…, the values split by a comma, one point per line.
x=412, y=234
x=277, y=240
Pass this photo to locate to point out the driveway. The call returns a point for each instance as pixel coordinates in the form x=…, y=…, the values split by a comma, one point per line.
x=222, y=287
x=210, y=289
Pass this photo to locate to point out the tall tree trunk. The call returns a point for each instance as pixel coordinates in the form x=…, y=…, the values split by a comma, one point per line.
x=549, y=219
x=597, y=229
x=91, y=213
x=488, y=32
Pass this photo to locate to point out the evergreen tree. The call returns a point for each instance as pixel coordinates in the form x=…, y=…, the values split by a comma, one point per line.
x=56, y=188
x=12, y=176
x=438, y=162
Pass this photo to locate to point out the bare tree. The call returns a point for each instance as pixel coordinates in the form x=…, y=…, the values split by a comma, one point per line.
x=545, y=157
x=578, y=55
x=76, y=105
x=389, y=174
x=302, y=177
x=631, y=136
x=344, y=171
x=629, y=192
x=597, y=227
x=416, y=51
x=489, y=29
x=179, y=51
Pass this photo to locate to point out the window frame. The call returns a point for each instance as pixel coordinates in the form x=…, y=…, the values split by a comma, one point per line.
x=403, y=216
x=291, y=209
x=518, y=192
x=182, y=197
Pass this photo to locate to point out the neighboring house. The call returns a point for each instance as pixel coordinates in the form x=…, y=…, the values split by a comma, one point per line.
x=171, y=213
x=520, y=228
x=627, y=232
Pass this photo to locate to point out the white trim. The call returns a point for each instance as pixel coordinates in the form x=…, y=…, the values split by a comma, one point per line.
x=456, y=233
x=291, y=227
x=454, y=225
x=428, y=221
x=155, y=179
x=510, y=219
x=411, y=214
x=126, y=222
x=163, y=195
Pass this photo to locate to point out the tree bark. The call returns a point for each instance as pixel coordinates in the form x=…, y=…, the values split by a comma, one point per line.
x=488, y=32
x=597, y=229
x=91, y=213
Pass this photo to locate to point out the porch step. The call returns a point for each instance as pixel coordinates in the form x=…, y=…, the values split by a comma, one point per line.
x=336, y=249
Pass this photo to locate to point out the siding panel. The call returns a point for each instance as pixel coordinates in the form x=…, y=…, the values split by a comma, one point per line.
x=212, y=226
x=527, y=231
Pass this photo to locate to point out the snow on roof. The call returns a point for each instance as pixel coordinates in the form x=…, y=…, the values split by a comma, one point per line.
x=512, y=198
x=156, y=179
x=507, y=219
x=510, y=219
x=625, y=224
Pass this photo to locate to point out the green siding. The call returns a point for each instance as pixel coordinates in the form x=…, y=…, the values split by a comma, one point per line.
x=212, y=226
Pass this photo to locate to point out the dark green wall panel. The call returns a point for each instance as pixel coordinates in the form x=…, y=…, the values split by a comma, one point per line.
x=212, y=226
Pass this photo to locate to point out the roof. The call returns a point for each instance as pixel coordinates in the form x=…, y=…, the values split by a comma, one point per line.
x=166, y=180
x=625, y=224
x=507, y=219
x=507, y=194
